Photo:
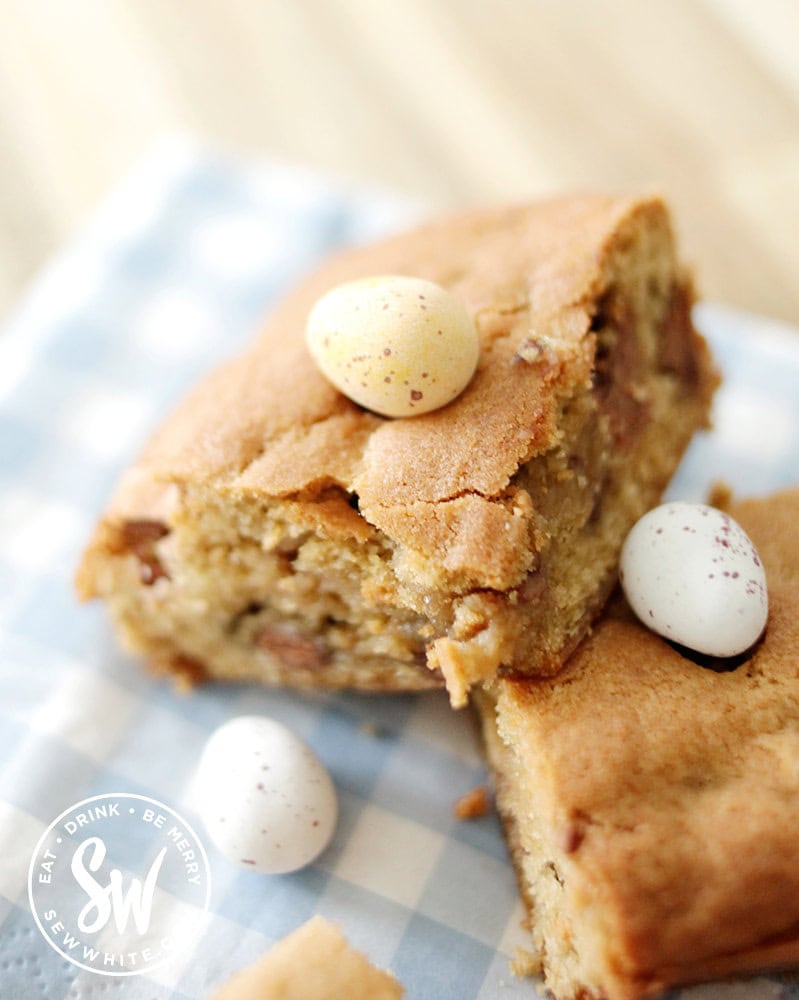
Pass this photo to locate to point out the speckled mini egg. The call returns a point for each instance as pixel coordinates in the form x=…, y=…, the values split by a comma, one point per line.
x=692, y=574
x=398, y=346
x=267, y=802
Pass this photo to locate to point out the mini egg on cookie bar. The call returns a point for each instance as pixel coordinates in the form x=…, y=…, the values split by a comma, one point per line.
x=399, y=346
x=692, y=574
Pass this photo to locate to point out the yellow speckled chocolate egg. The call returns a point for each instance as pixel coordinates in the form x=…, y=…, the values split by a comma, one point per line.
x=399, y=346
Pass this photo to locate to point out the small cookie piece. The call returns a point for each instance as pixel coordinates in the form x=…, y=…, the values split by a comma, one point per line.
x=474, y=804
x=314, y=962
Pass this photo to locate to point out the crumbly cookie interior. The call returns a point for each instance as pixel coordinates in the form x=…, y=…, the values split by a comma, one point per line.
x=313, y=588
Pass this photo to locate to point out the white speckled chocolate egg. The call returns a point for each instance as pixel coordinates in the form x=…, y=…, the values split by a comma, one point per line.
x=692, y=574
x=399, y=346
x=267, y=802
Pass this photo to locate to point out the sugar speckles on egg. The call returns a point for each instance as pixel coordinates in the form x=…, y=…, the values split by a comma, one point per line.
x=265, y=799
x=692, y=574
x=399, y=346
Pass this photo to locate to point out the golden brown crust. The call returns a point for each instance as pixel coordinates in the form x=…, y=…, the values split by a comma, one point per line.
x=270, y=423
x=451, y=535
x=314, y=962
x=669, y=793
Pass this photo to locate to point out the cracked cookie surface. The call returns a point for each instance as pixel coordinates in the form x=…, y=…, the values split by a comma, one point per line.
x=442, y=548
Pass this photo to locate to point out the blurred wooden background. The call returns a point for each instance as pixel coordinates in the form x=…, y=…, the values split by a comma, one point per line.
x=456, y=101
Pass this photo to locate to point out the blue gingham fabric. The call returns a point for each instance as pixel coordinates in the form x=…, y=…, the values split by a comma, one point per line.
x=175, y=273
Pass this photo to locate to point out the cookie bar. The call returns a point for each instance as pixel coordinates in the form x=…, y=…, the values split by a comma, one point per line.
x=275, y=531
x=314, y=962
x=651, y=801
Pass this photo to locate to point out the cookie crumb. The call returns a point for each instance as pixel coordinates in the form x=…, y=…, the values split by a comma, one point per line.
x=186, y=672
x=525, y=963
x=473, y=804
x=535, y=349
x=720, y=495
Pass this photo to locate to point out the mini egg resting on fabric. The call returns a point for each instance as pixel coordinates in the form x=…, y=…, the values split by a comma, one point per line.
x=693, y=575
x=396, y=345
x=267, y=802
